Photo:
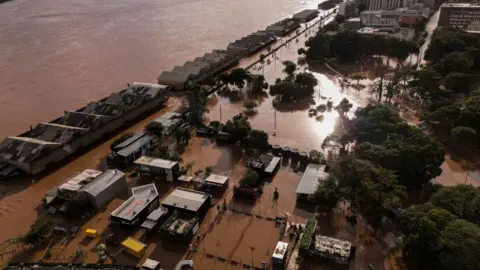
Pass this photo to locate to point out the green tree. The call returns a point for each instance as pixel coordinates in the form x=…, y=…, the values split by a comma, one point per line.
x=454, y=62
x=465, y=135
x=316, y=157
x=459, y=82
x=239, y=127
x=215, y=124
x=289, y=68
x=340, y=19
x=326, y=195
x=424, y=225
x=306, y=79
x=249, y=179
x=238, y=77
x=258, y=84
x=154, y=128
x=373, y=190
x=250, y=105
x=258, y=139
x=331, y=26
x=208, y=170
x=38, y=233
x=302, y=51
x=329, y=105
x=392, y=143
x=459, y=245
x=344, y=107
x=461, y=200
x=262, y=61
x=322, y=108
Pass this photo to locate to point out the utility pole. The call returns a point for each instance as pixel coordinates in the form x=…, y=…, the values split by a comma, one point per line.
x=274, y=122
x=220, y=112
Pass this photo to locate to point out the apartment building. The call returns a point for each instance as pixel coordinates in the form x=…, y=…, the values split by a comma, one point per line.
x=347, y=8
x=390, y=18
x=458, y=14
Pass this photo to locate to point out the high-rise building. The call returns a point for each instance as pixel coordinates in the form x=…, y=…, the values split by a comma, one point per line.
x=458, y=14
x=384, y=4
x=347, y=8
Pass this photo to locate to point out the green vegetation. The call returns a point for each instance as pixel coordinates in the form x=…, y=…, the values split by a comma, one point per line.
x=294, y=87
x=250, y=105
x=155, y=129
x=259, y=84
x=344, y=107
x=38, y=233
x=446, y=87
x=289, y=68
x=316, y=157
x=258, y=139
x=249, y=179
x=350, y=46
x=239, y=127
x=236, y=77
x=308, y=233
x=441, y=234
x=326, y=196
x=385, y=139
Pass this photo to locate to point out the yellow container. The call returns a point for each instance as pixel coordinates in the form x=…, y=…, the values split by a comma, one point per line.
x=91, y=232
x=134, y=247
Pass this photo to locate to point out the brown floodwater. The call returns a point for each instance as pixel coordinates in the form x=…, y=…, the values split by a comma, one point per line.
x=59, y=55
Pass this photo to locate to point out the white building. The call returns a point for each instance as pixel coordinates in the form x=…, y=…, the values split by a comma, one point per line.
x=347, y=8
x=390, y=18
x=97, y=187
x=384, y=4
x=380, y=18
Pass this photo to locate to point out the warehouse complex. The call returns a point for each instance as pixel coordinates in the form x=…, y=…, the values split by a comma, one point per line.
x=96, y=187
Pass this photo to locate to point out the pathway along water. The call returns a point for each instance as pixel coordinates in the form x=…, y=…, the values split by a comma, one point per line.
x=60, y=55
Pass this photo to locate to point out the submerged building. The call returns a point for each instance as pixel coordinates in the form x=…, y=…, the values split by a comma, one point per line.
x=49, y=143
x=96, y=187
x=188, y=207
x=137, y=208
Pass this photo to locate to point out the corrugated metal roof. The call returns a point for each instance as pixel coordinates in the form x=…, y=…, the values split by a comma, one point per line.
x=103, y=181
x=186, y=199
x=309, y=182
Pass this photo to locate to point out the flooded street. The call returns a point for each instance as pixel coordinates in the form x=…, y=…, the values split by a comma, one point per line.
x=311, y=132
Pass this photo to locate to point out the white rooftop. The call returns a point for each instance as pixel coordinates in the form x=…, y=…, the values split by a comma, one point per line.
x=151, y=264
x=141, y=197
x=186, y=199
x=103, y=181
x=332, y=246
x=309, y=182
x=217, y=179
x=461, y=5
x=155, y=162
x=280, y=250
x=80, y=180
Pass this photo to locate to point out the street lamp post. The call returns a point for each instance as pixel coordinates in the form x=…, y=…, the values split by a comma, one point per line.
x=252, y=249
x=468, y=170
